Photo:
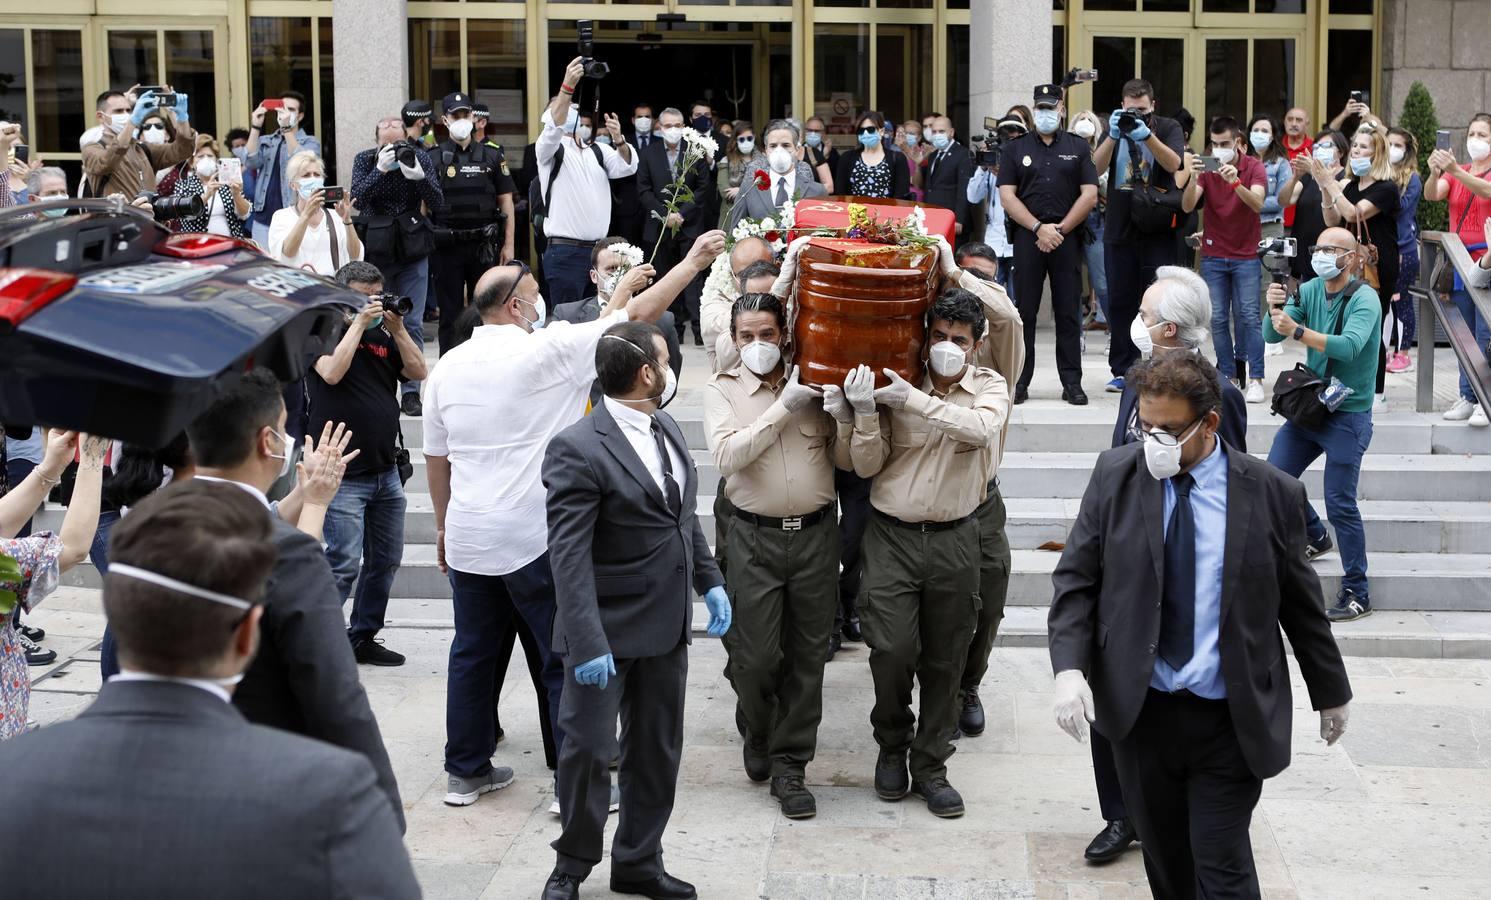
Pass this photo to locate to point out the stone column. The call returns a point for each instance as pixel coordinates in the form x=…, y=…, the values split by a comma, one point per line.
x=371, y=67
x=1441, y=43
x=1009, y=54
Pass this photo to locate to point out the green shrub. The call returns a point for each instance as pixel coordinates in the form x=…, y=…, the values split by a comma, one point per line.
x=1419, y=118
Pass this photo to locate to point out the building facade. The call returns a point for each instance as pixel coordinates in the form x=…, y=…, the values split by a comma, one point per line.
x=357, y=60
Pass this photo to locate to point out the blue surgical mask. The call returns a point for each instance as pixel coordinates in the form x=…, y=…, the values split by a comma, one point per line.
x=1325, y=155
x=869, y=139
x=1046, y=121
x=814, y=139
x=913, y=139
x=1260, y=140
x=309, y=186
x=1325, y=265
x=1360, y=165
x=573, y=119
x=940, y=140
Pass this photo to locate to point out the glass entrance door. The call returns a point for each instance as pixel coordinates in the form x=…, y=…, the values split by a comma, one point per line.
x=185, y=57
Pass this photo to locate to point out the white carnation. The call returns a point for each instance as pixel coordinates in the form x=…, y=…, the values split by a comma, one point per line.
x=768, y=224
x=631, y=256
x=703, y=142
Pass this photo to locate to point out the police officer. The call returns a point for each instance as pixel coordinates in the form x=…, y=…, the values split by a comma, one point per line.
x=470, y=228
x=1047, y=185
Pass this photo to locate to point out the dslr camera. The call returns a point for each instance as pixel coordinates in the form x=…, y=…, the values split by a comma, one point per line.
x=1275, y=254
x=399, y=306
x=164, y=209
x=594, y=68
x=404, y=152
x=1127, y=122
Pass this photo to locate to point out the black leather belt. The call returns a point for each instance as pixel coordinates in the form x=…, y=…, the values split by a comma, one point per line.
x=570, y=242
x=925, y=527
x=791, y=523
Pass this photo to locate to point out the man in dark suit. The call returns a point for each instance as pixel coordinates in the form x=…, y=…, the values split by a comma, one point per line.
x=945, y=173
x=605, y=265
x=304, y=679
x=161, y=788
x=787, y=181
x=657, y=168
x=627, y=212
x=628, y=554
x=1170, y=596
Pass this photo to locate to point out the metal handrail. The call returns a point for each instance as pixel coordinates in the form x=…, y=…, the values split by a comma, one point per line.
x=1439, y=253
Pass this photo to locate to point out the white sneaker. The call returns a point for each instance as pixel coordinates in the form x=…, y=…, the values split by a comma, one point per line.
x=1255, y=391
x=1273, y=349
x=1379, y=403
x=1478, y=418
x=1462, y=410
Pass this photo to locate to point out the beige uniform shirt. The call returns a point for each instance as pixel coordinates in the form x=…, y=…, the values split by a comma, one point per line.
x=776, y=463
x=933, y=459
x=129, y=168
x=1003, y=347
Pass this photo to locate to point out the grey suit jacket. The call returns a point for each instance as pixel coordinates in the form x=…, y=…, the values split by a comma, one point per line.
x=305, y=679
x=754, y=203
x=164, y=791
x=623, y=563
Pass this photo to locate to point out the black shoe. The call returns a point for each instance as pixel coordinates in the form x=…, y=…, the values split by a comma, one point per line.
x=1021, y=394
x=797, y=801
x=663, y=887
x=971, y=719
x=757, y=760
x=1319, y=548
x=411, y=405
x=1111, y=842
x=892, y=778
x=37, y=635
x=698, y=339
x=942, y=799
x=740, y=722
x=1350, y=606
x=1074, y=395
x=36, y=656
x=501, y=735
x=851, y=632
x=371, y=651
x=561, y=886
x=835, y=644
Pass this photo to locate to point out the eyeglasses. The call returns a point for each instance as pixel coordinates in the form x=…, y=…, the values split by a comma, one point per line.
x=1164, y=438
x=1323, y=248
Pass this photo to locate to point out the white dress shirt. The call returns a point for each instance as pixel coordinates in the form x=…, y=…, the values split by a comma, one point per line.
x=790, y=178
x=637, y=427
x=253, y=491
x=210, y=687
x=581, y=204
x=491, y=406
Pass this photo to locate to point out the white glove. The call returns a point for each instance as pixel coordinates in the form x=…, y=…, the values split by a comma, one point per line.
x=415, y=172
x=1074, y=707
x=387, y=158
x=1333, y=724
x=835, y=405
x=948, y=258
x=796, y=395
x=859, y=390
x=783, y=285
x=895, y=394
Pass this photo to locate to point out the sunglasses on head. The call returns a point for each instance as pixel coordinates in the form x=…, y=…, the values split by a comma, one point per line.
x=523, y=272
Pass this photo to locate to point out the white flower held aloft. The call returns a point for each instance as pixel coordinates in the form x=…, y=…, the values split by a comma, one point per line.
x=631, y=256
x=700, y=144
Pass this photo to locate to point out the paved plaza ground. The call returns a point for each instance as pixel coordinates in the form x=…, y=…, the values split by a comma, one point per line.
x=1400, y=808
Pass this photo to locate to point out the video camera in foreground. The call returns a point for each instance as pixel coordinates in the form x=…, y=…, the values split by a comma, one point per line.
x=989, y=146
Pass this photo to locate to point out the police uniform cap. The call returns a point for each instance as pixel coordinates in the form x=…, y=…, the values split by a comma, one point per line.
x=415, y=110
x=479, y=110
x=1047, y=96
x=455, y=101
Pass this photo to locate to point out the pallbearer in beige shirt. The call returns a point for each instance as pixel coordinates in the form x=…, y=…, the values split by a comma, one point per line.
x=777, y=448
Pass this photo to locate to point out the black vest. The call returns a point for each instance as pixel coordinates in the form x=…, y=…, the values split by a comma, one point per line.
x=466, y=177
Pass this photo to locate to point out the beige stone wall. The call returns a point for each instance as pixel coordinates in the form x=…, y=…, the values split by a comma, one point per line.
x=372, y=71
x=1009, y=54
x=1446, y=44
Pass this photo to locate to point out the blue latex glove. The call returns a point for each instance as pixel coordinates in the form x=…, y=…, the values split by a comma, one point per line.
x=146, y=105
x=597, y=672
x=1113, y=131
x=1140, y=134
x=180, y=110
x=719, y=610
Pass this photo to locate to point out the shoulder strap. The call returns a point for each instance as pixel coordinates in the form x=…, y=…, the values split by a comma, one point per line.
x=599, y=159
x=548, y=193
x=1347, y=294
x=331, y=235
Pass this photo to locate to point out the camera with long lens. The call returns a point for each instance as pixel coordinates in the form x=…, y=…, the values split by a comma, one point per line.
x=593, y=67
x=164, y=209
x=989, y=146
x=1276, y=255
x=404, y=153
x=1127, y=122
x=399, y=306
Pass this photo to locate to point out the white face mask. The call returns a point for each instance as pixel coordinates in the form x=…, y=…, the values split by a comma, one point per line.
x=670, y=381
x=206, y=167
x=947, y=358
x=1395, y=155
x=1164, y=462
x=608, y=284
x=1477, y=148
x=287, y=117
x=1139, y=334
x=673, y=135
x=643, y=124
x=583, y=133
x=154, y=136
x=745, y=145
x=1325, y=265
x=540, y=314
x=460, y=129
x=1224, y=155
x=284, y=457
x=760, y=357
x=781, y=160
x=119, y=121
x=1083, y=128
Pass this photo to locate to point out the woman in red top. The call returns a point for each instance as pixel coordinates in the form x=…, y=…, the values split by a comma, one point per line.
x=1468, y=189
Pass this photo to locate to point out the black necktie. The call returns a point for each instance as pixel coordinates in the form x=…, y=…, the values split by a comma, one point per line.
x=781, y=191
x=670, y=487
x=1178, y=614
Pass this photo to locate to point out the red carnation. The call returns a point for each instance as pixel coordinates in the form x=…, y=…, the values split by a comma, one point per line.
x=763, y=180
x=772, y=236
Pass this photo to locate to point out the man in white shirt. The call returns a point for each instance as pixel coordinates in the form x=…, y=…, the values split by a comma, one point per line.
x=578, y=197
x=492, y=405
x=785, y=185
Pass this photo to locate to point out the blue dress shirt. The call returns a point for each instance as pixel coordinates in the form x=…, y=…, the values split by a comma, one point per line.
x=1202, y=676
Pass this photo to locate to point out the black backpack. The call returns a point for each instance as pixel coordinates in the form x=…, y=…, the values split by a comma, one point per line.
x=538, y=204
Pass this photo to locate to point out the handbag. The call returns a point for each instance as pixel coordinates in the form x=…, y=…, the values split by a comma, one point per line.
x=1152, y=209
x=1297, y=392
x=414, y=238
x=401, y=460
x=1369, y=254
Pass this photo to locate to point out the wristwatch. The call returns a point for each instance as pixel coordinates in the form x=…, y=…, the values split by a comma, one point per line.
x=1299, y=332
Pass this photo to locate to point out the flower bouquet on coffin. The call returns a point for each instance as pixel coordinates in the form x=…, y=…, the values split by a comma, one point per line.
x=695, y=147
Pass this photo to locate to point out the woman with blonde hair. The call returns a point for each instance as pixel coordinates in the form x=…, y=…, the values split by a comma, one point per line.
x=305, y=235
x=1367, y=203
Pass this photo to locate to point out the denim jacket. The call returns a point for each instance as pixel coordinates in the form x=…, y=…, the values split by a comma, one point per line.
x=1278, y=173
x=269, y=145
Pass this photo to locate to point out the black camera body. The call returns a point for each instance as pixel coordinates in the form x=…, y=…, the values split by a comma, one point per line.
x=404, y=153
x=986, y=149
x=1128, y=122
x=594, y=68
x=1276, y=254
x=167, y=208
x=399, y=306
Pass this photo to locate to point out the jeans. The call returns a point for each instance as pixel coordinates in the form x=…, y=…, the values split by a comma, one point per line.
x=98, y=554
x=1097, y=275
x=365, y=523
x=567, y=270
x=1234, y=301
x=1006, y=267
x=259, y=230
x=1482, y=328
x=412, y=280
x=484, y=608
x=1343, y=440
x=1403, y=312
